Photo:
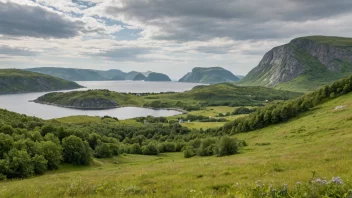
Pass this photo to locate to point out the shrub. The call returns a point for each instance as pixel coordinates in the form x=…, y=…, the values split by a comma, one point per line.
x=135, y=149
x=75, y=151
x=188, y=152
x=150, y=149
x=227, y=146
x=52, y=153
x=20, y=164
x=40, y=164
x=6, y=143
x=102, y=151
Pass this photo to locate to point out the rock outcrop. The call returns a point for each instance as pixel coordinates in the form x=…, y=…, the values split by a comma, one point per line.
x=316, y=60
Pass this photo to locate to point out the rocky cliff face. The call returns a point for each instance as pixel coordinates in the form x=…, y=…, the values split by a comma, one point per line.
x=315, y=58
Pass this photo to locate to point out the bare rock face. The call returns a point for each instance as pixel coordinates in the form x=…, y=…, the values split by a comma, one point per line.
x=282, y=64
x=278, y=65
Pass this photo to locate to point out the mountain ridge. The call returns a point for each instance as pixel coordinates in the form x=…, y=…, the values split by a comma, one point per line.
x=304, y=64
x=209, y=75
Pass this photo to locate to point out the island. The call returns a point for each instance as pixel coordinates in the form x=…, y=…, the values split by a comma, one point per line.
x=87, y=100
x=224, y=94
x=211, y=75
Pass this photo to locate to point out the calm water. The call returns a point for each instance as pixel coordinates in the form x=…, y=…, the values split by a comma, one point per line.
x=20, y=102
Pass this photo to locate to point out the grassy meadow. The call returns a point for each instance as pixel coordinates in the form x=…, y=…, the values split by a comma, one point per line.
x=316, y=144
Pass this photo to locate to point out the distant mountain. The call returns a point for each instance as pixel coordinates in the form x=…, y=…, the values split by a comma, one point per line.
x=73, y=74
x=209, y=75
x=21, y=81
x=304, y=64
x=153, y=76
x=240, y=76
x=139, y=77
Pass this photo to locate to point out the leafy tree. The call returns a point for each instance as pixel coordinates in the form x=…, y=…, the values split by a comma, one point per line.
x=20, y=164
x=6, y=143
x=227, y=146
x=150, y=149
x=52, y=153
x=40, y=164
x=75, y=151
x=102, y=151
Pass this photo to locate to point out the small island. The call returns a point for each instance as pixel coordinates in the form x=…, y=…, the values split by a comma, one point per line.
x=87, y=100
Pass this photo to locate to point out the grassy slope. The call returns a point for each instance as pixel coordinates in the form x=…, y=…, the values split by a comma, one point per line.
x=319, y=140
x=18, y=81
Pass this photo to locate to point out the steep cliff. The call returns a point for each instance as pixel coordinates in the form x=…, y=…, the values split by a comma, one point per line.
x=20, y=81
x=211, y=75
x=304, y=64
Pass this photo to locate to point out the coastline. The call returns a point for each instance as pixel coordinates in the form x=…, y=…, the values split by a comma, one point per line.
x=107, y=108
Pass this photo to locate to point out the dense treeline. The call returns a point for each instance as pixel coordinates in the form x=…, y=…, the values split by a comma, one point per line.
x=281, y=112
x=31, y=146
x=213, y=146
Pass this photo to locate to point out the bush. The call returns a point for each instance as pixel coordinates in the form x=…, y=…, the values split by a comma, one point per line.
x=6, y=143
x=227, y=146
x=188, y=152
x=20, y=164
x=53, y=153
x=135, y=149
x=75, y=151
x=150, y=149
x=40, y=164
x=206, y=147
x=102, y=151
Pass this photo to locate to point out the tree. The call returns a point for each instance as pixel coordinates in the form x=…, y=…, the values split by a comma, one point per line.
x=40, y=164
x=6, y=143
x=20, y=164
x=227, y=146
x=150, y=149
x=102, y=151
x=75, y=151
x=52, y=153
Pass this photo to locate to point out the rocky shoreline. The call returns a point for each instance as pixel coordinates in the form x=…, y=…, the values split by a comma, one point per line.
x=74, y=107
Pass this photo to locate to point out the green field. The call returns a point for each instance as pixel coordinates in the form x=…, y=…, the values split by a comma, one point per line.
x=317, y=143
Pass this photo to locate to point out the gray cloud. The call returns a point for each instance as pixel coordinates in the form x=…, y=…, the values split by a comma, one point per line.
x=34, y=21
x=187, y=20
x=11, y=51
x=124, y=54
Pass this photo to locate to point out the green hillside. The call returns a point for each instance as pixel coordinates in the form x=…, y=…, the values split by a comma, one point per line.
x=307, y=156
x=211, y=75
x=304, y=64
x=20, y=81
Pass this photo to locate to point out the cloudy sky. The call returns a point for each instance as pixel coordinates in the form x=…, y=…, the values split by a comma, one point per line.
x=170, y=36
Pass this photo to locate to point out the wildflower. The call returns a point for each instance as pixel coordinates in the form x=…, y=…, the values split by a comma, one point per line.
x=320, y=181
x=298, y=183
x=285, y=186
x=337, y=180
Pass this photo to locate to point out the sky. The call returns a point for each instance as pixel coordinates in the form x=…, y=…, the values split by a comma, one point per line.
x=168, y=36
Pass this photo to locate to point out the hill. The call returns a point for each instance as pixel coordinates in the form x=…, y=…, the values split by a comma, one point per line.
x=153, y=76
x=304, y=64
x=307, y=156
x=209, y=75
x=91, y=99
x=20, y=81
x=139, y=77
x=73, y=74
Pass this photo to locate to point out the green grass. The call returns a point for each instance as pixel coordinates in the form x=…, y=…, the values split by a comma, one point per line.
x=331, y=40
x=317, y=141
x=21, y=81
x=91, y=119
